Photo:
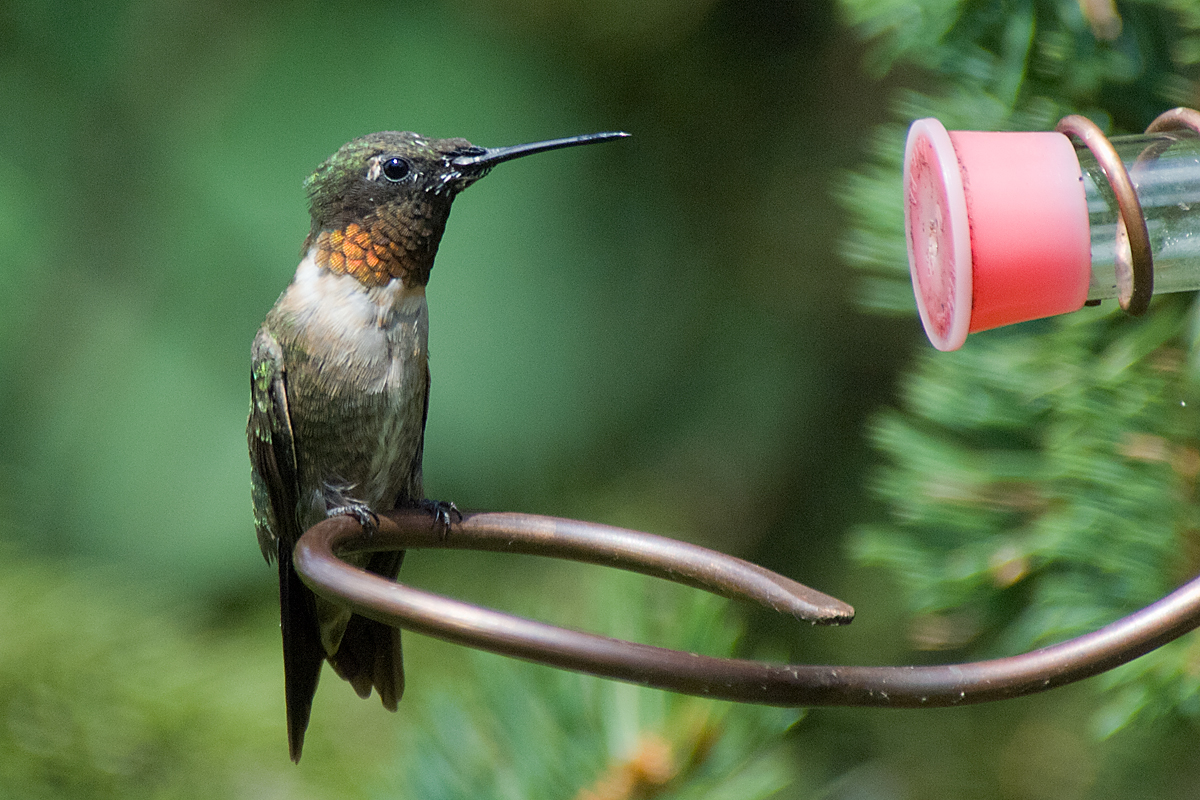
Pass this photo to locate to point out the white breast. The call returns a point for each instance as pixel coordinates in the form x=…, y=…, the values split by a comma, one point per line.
x=371, y=348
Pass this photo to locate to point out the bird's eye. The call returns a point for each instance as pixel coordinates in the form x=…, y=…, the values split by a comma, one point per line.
x=396, y=169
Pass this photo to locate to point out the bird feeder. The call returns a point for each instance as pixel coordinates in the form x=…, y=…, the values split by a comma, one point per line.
x=1008, y=227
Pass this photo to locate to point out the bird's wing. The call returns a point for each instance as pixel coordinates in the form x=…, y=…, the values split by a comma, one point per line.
x=275, y=491
x=272, y=449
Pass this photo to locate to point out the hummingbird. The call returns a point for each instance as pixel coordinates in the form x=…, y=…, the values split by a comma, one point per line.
x=339, y=387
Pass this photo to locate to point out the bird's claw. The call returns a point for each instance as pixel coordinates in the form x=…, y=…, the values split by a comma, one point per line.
x=441, y=511
x=365, y=517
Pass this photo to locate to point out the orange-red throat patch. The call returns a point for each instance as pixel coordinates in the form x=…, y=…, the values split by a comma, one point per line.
x=366, y=253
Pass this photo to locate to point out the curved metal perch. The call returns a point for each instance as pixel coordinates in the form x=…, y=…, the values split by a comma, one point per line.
x=724, y=678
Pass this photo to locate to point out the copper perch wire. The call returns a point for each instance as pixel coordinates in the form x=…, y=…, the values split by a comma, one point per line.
x=722, y=678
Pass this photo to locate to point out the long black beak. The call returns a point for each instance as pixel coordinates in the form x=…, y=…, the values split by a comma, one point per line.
x=489, y=157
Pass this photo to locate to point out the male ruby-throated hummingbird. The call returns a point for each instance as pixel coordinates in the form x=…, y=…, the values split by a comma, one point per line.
x=340, y=386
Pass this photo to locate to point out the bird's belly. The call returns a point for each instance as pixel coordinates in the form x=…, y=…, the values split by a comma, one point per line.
x=361, y=445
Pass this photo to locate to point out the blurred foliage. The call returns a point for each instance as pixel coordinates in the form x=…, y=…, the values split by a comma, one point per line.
x=103, y=698
x=542, y=733
x=1043, y=484
x=657, y=333
x=1041, y=481
x=106, y=693
x=614, y=334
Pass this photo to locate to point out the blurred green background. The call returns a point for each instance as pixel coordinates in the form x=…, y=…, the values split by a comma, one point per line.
x=658, y=333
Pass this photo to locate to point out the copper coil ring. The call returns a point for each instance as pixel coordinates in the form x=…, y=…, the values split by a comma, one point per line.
x=1134, y=261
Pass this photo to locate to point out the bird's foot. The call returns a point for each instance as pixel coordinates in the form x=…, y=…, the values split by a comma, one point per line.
x=365, y=517
x=441, y=511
